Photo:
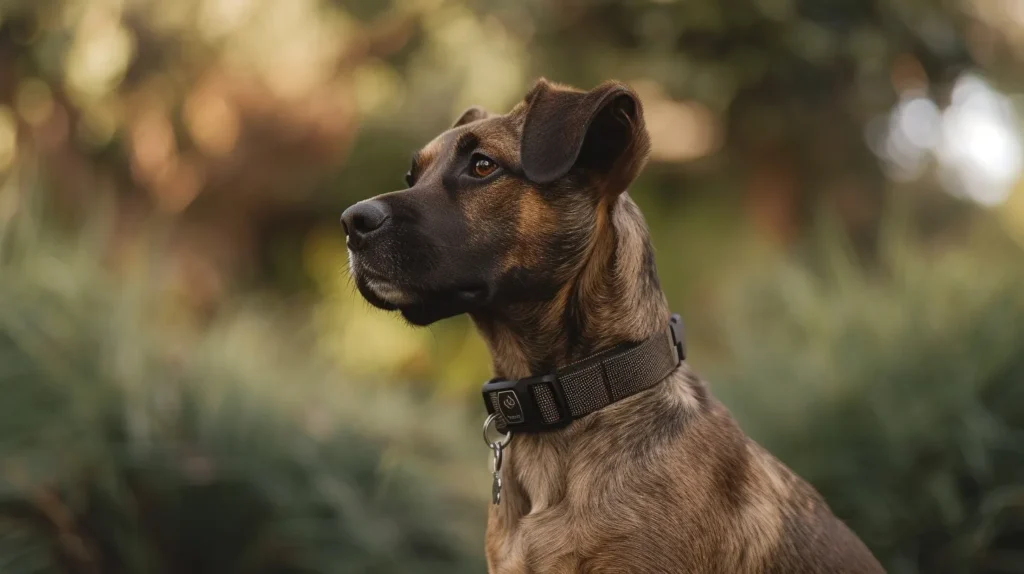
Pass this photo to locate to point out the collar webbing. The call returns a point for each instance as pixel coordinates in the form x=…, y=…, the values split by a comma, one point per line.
x=548, y=402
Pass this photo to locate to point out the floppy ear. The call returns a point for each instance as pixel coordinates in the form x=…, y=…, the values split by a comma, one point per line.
x=471, y=115
x=601, y=131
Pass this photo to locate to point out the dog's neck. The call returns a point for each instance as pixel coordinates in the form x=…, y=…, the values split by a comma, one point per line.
x=613, y=297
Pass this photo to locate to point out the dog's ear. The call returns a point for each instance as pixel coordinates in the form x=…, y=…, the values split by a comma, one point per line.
x=601, y=131
x=471, y=115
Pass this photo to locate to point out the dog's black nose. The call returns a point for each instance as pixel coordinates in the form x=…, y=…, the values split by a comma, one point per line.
x=362, y=219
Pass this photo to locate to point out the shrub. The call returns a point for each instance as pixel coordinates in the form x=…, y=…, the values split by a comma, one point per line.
x=128, y=448
x=899, y=393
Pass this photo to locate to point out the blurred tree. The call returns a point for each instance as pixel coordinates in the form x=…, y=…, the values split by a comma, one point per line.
x=220, y=114
x=236, y=123
x=791, y=84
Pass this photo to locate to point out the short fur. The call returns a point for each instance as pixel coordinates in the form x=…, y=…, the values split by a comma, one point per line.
x=553, y=261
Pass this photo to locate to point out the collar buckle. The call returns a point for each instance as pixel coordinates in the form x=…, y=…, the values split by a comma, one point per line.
x=675, y=325
x=517, y=402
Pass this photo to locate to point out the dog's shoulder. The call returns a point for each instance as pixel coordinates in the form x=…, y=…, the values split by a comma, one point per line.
x=713, y=499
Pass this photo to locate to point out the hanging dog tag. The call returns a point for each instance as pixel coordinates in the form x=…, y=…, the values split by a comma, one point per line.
x=496, y=489
x=496, y=449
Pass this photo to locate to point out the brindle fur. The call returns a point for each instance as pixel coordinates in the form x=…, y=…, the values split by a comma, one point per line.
x=562, y=267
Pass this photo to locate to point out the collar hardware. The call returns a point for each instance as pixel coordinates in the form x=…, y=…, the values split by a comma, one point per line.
x=675, y=326
x=512, y=402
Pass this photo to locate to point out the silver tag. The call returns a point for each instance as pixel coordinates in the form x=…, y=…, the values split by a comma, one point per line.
x=496, y=489
x=497, y=451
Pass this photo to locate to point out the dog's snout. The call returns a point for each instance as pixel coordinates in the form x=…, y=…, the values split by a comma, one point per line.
x=362, y=219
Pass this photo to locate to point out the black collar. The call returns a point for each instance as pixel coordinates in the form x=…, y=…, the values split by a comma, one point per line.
x=548, y=402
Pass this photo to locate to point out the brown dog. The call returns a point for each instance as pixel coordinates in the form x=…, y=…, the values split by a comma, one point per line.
x=522, y=220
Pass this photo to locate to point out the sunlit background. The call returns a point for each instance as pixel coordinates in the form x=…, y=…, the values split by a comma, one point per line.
x=190, y=383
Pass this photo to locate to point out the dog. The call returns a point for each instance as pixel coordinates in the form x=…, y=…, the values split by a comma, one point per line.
x=523, y=221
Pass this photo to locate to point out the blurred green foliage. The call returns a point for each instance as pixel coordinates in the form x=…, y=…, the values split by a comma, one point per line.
x=126, y=449
x=898, y=393
x=191, y=384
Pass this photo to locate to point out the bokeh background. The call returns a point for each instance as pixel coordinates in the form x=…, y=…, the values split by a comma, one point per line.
x=190, y=383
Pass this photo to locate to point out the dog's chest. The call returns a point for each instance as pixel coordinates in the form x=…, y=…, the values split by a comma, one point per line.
x=544, y=541
x=563, y=539
x=589, y=502
x=531, y=530
x=559, y=513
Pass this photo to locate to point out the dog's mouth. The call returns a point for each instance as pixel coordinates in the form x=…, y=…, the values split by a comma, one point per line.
x=383, y=293
x=441, y=304
x=420, y=305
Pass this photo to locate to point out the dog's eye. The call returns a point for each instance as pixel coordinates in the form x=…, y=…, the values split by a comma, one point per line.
x=408, y=179
x=482, y=166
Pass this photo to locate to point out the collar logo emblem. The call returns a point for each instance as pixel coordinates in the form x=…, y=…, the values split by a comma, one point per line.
x=510, y=408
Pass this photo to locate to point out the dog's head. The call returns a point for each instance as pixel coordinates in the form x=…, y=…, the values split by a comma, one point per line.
x=499, y=209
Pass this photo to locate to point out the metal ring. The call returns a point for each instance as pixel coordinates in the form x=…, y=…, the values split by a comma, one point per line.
x=501, y=442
